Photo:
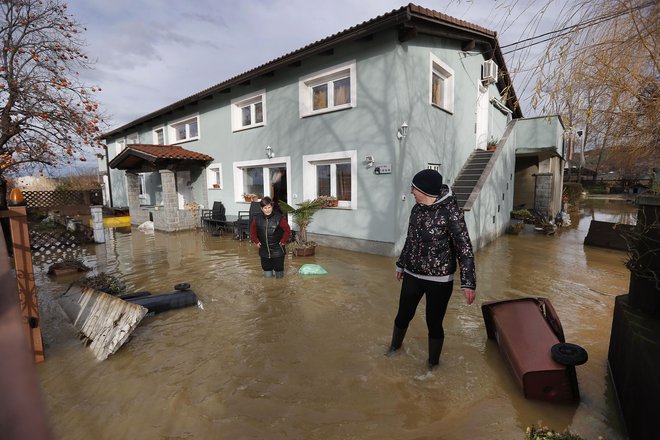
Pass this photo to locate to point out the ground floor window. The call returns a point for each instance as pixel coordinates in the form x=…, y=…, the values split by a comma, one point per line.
x=150, y=189
x=214, y=176
x=261, y=179
x=331, y=174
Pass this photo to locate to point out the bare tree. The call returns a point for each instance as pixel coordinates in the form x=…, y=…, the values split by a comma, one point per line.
x=47, y=115
x=603, y=61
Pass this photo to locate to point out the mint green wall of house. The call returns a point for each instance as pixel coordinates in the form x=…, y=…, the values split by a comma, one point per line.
x=393, y=82
x=540, y=132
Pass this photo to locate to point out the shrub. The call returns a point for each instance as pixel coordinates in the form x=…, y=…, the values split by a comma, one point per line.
x=599, y=189
x=574, y=191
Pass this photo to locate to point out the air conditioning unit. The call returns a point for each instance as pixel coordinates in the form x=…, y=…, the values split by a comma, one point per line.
x=489, y=72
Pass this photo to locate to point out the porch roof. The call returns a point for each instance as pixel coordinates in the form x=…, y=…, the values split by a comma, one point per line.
x=147, y=157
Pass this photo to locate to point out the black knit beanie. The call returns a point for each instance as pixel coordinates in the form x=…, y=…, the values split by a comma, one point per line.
x=428, y=181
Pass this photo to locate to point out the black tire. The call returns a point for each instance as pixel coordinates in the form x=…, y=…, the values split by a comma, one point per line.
x=569, y=354
x=182, y=286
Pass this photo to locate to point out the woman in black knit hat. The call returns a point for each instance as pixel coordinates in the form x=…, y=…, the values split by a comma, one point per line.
x=437, y=237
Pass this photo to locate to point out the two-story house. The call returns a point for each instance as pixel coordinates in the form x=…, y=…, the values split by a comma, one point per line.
x=354, y=116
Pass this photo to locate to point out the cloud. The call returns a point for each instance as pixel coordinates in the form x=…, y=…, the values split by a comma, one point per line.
x=153, y=52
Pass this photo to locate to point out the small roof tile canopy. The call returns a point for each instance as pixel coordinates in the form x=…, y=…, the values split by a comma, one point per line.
x=147, y=158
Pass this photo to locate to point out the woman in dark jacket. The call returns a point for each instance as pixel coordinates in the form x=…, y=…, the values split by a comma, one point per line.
x=270, y=231
x=437, y=237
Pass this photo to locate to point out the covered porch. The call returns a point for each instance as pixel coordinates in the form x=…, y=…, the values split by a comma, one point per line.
x=539, y=165
x=160, y=184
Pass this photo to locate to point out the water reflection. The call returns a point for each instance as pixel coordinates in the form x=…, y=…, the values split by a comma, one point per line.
x=303, y=357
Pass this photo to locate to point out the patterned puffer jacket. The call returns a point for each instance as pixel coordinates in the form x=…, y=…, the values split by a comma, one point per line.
x=437, y=235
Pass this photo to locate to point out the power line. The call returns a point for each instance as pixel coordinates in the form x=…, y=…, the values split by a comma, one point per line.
x=561, y=32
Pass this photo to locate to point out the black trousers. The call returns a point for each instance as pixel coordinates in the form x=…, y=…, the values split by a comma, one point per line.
x=276, y=264
x=437, y=299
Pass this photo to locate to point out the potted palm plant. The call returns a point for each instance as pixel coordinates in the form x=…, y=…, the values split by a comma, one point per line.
x=302, y=217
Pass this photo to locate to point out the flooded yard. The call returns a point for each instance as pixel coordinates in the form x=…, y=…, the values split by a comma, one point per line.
x=302, y=357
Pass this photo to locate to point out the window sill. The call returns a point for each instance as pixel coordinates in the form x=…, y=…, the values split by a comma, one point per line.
x=250, y=127
x=183, y=141
x=451, y=112
x=330, y=110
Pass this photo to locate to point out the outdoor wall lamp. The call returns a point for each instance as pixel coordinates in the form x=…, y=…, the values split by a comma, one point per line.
x=402, y=132
x=269, y=152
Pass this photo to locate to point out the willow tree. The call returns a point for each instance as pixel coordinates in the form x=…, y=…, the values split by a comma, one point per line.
x=601, y=72
x=48, y=116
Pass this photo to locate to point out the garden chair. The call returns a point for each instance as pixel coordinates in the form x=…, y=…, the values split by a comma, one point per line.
x=242, y=225
x=214, y=219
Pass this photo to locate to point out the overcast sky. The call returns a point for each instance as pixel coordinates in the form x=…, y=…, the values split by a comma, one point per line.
x=151, y=53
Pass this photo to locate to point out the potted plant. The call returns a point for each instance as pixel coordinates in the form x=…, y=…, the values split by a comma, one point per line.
x=302, y=217
x=249, y=197
x=491, y=145
x=521, y=214
x=328, y=201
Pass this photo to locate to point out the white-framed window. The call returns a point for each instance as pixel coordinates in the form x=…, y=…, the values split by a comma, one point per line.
x=143, y=197
x=328, y=90
x=133, y=138
x=441, y=91
x=214, y=176
x=184, y=130
x=120, y=144
x=331, y=174
x=262, y=178
x=248, y=111
x=159, y=135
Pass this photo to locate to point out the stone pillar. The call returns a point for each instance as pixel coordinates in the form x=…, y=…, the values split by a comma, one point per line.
x=543, y=194
x=133, y=194
x=97, y=223
x=170, y=200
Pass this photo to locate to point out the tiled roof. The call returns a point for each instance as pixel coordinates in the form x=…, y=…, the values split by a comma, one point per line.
x=147, y=157
x=396, y=17
x=168, y=152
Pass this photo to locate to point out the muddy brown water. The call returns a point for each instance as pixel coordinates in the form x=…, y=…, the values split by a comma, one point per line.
x=302, y=357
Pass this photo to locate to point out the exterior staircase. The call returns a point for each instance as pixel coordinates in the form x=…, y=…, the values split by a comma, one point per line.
x=469, y=176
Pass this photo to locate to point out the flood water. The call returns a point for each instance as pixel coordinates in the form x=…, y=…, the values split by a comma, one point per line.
x=302, y=357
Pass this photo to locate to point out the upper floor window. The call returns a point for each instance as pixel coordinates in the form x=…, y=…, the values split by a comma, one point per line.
x=331, y=174
x=120, y=144
x=185, y=130
x=159, y=136
x=328, y=90
x=133, y=139
x=442, y=85
x=248, y=111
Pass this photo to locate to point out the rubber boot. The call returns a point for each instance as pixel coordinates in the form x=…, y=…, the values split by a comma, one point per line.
x=397, y=339
x=279, y=274
x=268, y=273
x=435, y=348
